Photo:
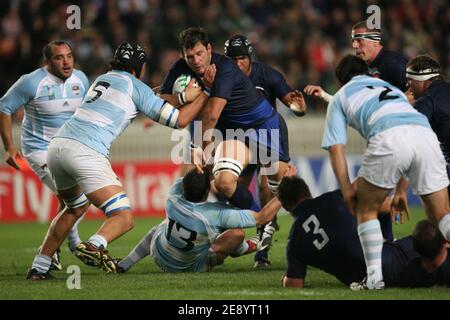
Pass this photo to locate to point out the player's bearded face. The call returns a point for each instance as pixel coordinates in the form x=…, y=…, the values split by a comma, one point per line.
x=198, y=57
x=61, y=62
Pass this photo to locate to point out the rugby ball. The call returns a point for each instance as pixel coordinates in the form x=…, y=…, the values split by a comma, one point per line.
x=181, y=83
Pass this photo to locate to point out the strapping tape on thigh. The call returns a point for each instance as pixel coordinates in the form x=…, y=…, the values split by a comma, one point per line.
x=117, y=202
x=273, y=185
x=227, y=164
x=76, y=202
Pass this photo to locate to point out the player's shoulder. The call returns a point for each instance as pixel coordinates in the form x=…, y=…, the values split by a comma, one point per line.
x=35, y=76
x=222, y=61
x=30, y=81
x=180, y=66
x=393, y=58
x=80, y=75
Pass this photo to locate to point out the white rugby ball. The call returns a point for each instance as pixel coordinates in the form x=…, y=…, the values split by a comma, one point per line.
x=181, y=83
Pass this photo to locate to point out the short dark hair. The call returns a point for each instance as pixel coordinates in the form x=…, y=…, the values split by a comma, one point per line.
x=47, y=50
x=350, y=66
x=191, y=36
x=196, y=185
x=363, y=25
x=423, y=62
x=291, y=191
x=427, y=239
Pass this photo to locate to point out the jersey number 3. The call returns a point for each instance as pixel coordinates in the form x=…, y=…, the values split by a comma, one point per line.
x=317, y=230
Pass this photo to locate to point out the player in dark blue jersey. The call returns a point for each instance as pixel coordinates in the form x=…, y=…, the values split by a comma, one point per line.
x=272, y=85
x=324, y=235
x=246, y=123
x=387, y=65
x=432, y=98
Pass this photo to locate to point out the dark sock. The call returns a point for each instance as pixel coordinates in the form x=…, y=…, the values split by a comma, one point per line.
x=386, y=226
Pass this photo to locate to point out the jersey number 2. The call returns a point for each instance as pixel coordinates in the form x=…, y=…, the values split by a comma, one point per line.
x=317, y=230
x=385, y=94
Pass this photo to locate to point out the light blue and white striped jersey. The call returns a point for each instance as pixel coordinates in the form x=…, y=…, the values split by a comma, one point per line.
x=112, y=102
x=370, y=106
x=48, y=102
x=182, y=241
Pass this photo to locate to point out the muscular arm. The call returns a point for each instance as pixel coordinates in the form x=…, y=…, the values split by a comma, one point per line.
x=339, y=164
x=267, y=213
x=6, y=133
x=211, y=114
x=190, y=111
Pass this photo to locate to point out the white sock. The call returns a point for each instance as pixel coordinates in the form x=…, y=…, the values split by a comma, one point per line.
x=98, y=241
x=239, y=251
x=444, y=226
x=371, y=239
x=42, y=263
x=73, y=237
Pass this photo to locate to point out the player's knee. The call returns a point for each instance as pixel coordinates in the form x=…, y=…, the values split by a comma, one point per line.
x=227, y=167
x=226, y=183
x=238, y=234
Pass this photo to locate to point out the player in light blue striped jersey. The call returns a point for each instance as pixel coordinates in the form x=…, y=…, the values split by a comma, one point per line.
x=78, y=154
x=400, y=146
x=198, y=235
x=50, y=96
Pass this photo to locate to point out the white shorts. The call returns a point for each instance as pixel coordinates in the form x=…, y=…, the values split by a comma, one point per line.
x=38, y=163
x=72, y=163
x=411, y=151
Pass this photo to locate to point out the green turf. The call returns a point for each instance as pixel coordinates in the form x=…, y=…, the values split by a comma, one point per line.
x=236, y=279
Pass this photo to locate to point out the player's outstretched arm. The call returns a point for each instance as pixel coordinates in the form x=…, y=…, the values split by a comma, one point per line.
x=267, y=213
x=317, y=91
x=339, y=164
x=190, y=111
x=12, y=154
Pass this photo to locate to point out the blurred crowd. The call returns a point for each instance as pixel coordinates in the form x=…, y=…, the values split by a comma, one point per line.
x=301, y=38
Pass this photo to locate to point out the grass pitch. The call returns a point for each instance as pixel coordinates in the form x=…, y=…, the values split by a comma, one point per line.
x=235, y=280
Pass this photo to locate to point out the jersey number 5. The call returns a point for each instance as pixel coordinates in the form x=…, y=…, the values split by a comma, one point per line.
x=181, y=233
x=100, y=87
x=317, y=230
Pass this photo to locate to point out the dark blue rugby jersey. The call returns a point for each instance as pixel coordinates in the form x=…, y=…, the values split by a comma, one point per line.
x=269, y=81
x=179, y=68
x=391, y=67
x=402, y=267
x=435, y=105
x=324, y=236
x=245, y=108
